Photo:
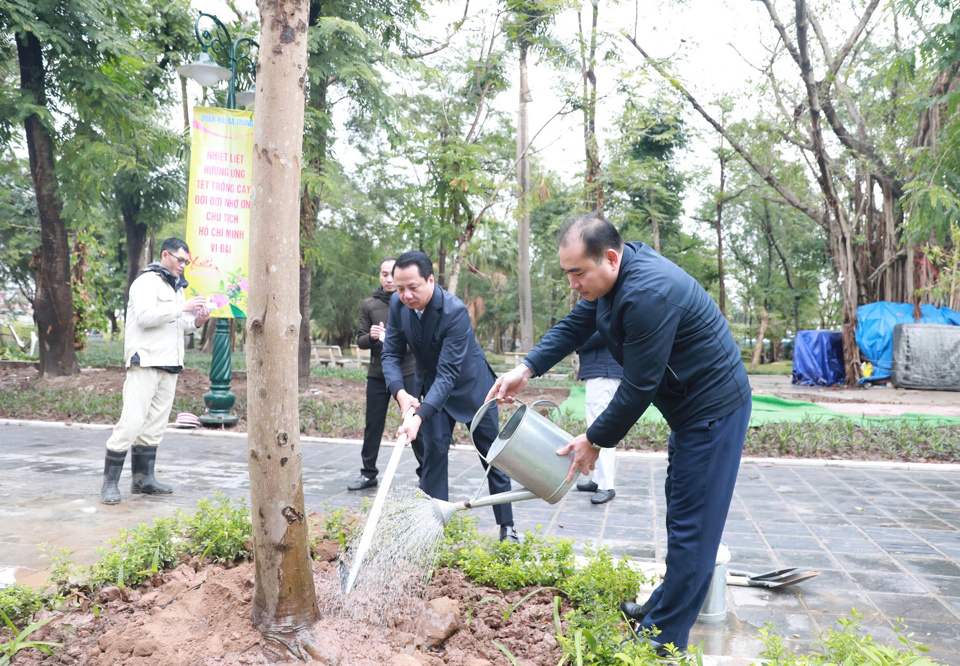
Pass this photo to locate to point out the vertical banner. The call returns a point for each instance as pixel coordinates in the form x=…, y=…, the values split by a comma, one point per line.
x=218, y=208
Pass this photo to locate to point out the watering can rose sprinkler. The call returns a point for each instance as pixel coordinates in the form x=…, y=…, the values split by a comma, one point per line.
x=525, y=450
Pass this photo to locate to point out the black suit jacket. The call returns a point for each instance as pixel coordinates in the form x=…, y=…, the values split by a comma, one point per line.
x=452, y=373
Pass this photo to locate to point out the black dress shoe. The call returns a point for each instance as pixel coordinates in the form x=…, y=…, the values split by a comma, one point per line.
x=587, y=487
x=508, y=533
x=363, y=482
x=603, y=496
x=634, y=611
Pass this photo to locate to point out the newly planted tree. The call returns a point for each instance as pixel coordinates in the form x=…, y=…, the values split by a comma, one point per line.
x=284, y=603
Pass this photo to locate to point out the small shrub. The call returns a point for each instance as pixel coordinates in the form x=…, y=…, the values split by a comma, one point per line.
x=134, y=554
x=219, y=529
x=20, y=602
x=508, y=566
x=848, y=645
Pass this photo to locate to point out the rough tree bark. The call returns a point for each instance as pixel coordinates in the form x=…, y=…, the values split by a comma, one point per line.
x=284, y=603
x=53, y=304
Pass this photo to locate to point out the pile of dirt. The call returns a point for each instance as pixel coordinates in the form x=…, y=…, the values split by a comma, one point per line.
x=200, y=615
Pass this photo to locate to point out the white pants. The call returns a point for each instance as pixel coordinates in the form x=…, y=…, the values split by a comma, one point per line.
x=600, y=392
x=147, y=400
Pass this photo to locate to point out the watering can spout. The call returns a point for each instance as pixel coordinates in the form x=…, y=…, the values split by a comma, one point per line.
x=446, y=509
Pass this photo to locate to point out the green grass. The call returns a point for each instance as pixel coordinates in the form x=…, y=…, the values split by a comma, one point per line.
x=778, y=368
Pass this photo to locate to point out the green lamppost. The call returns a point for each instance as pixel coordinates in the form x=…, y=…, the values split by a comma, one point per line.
x=205, y=71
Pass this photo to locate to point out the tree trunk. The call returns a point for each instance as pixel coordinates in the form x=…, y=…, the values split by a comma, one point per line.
x=284, y=605
x=523, y=229
x=593, y=195
x=308, y=230
x=758, y=348
x=309, y=205
x=654, y=222
x=136, y=236
x=719, y=225
x=53, y=305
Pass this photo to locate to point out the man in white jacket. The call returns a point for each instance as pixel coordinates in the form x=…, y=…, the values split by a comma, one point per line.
x=158, y=315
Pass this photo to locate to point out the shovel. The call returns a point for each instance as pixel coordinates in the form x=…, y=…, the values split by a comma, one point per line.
x=770, y=579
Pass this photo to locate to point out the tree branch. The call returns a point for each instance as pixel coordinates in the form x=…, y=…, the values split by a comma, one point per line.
x=761, y=170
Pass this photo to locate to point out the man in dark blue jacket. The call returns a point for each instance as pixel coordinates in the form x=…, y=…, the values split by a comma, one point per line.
x=451, y=379
x=678, y=354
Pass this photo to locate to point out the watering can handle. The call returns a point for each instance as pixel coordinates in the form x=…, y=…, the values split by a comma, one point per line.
x=476, y=422
x=483, y=412
x=551, y=403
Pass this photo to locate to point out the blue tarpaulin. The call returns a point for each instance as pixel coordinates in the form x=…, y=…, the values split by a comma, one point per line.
x=818, y=358
x=875, y=322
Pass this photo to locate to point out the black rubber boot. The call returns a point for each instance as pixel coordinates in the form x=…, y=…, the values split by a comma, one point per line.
x=112, y=466
x=142, y=464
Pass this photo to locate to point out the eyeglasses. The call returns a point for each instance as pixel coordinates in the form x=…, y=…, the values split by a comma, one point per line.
x=181, y=261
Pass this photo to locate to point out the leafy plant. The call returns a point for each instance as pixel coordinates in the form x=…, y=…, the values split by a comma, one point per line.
x=128, y=558
x=62, y=566
x=19, y=602
x=20, y=640
x=219, y=529
x=848, y=645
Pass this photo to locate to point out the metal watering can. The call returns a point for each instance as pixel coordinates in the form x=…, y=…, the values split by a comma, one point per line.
x=526, y=451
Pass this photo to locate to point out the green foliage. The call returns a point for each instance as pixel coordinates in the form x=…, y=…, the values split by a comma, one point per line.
x=222, y=528
x=847, y=645
x=20, y=639
x=19, y=602
x=128, y=558
x=337, y=524
x=219, y=529
x=62, y=567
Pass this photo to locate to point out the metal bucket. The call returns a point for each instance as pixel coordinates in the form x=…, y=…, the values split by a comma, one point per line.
x=715, y=605
x=526, y=451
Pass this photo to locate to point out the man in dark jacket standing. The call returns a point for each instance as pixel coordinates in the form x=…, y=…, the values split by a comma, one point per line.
x=371, y=329
x=678, y=354
x=452, y=376
x=601, y=375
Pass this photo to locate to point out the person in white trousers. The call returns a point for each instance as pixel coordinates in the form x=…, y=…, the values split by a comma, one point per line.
x=158, y=314
x=601, y=375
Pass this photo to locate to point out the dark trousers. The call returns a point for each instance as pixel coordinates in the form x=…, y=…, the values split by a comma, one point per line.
x=437, y=435
x=378, y=400
x=702, y=464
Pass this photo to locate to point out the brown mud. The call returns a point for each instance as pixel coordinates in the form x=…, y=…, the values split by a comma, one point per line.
x=200, y=615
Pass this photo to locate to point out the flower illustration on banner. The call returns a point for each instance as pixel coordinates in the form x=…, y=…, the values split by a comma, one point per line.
x=233, y=293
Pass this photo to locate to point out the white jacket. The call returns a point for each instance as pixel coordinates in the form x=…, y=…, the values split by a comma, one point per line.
x=156, y=322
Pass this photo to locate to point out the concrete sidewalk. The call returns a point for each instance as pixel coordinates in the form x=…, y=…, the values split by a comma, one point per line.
x=885, y=537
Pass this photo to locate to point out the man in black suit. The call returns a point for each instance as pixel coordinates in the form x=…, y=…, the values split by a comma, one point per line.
x=452, y=377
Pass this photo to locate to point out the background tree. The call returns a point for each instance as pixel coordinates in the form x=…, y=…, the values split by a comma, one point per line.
x=349, y=43
x=527, y=25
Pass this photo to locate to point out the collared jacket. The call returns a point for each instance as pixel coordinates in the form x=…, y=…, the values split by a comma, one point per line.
x=374, y=310
x=675, y=347
x=155, y=322
x=597, y=361
x=452, y=371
